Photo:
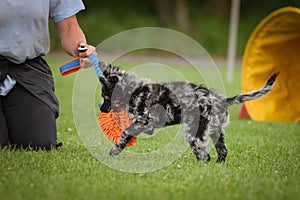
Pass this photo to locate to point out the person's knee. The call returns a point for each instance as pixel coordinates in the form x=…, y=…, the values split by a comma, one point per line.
x=37, y=143
x=43, y=145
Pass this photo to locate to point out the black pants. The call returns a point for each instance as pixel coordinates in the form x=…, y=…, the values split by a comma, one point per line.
x=29, y=110
x=26, y=120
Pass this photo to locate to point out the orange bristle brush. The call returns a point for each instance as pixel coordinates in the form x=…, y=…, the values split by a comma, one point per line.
x=112, y=123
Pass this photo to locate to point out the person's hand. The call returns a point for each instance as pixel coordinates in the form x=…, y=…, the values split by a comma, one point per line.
x=85, y=62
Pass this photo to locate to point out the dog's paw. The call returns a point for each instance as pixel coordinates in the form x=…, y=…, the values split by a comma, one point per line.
x=222, y=154
x=206, y=158
x=115, y=151
x=220, y=160
x=203, y=156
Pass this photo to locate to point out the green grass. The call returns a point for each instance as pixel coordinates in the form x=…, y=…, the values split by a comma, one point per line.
x=263, y=163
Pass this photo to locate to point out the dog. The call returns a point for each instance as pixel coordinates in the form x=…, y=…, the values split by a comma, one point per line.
x=150, y=105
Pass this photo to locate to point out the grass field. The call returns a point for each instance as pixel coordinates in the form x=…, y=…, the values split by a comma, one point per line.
x=263, y=163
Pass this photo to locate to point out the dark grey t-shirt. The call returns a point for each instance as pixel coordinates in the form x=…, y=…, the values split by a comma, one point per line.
x=24, y=26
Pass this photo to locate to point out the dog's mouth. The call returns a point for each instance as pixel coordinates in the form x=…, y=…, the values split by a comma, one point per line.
x=105, y=107
x=104, y=82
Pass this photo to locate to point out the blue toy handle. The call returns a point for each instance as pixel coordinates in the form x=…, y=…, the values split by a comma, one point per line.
x=94, y=60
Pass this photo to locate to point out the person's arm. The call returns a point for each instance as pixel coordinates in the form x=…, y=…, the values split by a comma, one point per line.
x=72, y=37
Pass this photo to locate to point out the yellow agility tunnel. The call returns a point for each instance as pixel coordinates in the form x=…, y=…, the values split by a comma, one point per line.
x=274, y=46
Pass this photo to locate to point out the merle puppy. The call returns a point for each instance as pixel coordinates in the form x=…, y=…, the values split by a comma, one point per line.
x=150, y=105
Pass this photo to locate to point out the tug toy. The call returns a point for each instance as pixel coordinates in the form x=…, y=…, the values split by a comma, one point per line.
x=112, y=123
x=70, y=66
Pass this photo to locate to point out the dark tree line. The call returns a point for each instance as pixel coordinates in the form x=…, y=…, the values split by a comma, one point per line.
x=182, y=13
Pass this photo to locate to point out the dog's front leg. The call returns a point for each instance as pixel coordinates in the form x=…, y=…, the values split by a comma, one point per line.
x=132, y=131
x=121, y=144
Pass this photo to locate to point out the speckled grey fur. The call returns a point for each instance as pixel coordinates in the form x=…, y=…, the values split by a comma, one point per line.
x=150, y=105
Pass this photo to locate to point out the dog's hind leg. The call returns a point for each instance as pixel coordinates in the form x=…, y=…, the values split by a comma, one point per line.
x=217, y=135
x=194, y=130
x=199, y=149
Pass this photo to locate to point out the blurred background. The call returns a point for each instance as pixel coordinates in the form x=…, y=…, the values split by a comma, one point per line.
x=206, y=21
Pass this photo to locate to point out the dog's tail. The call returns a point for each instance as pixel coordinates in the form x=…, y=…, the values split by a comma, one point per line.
x=238, y=99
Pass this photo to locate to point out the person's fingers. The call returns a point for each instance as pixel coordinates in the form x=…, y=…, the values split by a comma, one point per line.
x=85, y=62
x=89, y=50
